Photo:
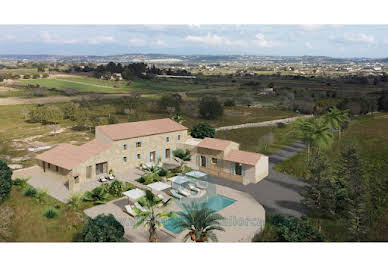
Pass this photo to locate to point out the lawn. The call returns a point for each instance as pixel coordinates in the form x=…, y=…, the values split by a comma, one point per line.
x=264, y=140
x=29, y=225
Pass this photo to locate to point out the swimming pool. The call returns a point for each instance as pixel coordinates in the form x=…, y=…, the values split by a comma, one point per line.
x=216, y=203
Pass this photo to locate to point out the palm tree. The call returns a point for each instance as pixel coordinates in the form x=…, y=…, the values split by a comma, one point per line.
x=151, y=218
x=200, y=221
x=320, y=135
x=304, y=127
x=336, y=118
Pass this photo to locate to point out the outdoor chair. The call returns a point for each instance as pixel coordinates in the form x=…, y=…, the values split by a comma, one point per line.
x=141, y=208
x=175, y=194
x=128, y=209
x=193, y=188
x=184, y=192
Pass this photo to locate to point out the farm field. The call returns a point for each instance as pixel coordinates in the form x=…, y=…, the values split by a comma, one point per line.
x=90, y=84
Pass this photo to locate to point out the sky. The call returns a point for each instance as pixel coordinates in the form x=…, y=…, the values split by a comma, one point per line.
x=278, y=40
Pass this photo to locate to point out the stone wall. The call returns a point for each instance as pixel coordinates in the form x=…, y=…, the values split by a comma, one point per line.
x=263, y=124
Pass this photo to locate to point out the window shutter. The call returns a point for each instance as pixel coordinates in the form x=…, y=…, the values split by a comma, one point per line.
x=164, y=154
x=135, y=145
x=142, y=144
x=243, y=169
x=170, y=153
x=198, y=160
x=219, y=162
x=233, y=168
x=156, y=156
x=148, y=157
x=207, y=162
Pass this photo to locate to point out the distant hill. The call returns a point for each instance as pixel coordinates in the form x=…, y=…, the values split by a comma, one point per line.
x=166, y=58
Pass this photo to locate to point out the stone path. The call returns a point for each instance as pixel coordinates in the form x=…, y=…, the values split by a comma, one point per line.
x=278, y=193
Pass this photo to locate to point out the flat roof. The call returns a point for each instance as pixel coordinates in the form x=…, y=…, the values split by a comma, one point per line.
x=68, y=156
x=196, y=174
x=141, y=128
x=214, y=144
x=179, y=179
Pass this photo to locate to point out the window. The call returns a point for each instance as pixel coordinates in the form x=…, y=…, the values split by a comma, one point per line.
x=76, y=179
x=138, y=156
x=125, y=147
x=167, y=139
x=124, y=159
x=214, y=160
x=179, y=137
x=57, y=168
x=48, y=165
x=138, y=144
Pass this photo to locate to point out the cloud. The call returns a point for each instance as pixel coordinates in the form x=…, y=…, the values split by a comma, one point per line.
x=359, y=37
x=308, y=45
x=160, y=43
x=262, y=42
x=311, y=27
x=47, y=37
x=137, y=42
x=210, y=39
x=101, y=39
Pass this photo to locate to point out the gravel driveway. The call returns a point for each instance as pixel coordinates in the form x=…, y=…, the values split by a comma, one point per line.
x=278, y=193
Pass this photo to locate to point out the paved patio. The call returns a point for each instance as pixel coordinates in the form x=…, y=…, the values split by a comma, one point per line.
x=243, y=219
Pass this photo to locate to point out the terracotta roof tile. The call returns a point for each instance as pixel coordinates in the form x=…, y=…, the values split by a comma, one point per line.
x=214, y=144
x=141, y=128
x=243, y=157
x=68, y=156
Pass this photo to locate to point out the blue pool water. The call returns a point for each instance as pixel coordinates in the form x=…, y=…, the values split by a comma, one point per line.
x=216, y=203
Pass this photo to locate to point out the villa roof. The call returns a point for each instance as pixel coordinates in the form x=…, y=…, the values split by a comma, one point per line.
x=68, y=156
x=214, y=144
x=243, y=157
x=141, y=128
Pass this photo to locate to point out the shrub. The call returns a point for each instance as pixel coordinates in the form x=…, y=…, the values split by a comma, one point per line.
x=149, y=178
x=75, y=201
x=229, y=103
x=5, y=180
x=45, y=75
x=291, y=229
x=26, y=76
x=116, y=188
x=41, y=195
x=30, y=192
x=50, y=212
x=163, y=172
x=281, y=125
x=167, y=102
x=103, y=228
x=185, y=156
x=98, y=195
x=210, y=108
x=20, y=182
x=35, y=76
x=202, y=130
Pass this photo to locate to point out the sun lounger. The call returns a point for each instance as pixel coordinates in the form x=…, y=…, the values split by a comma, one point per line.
x=128, y=209
x=141, y=208
x=193, y=188
x=184, y=192
x=200, y=186
x=163, y=198
x=103, y=179
x=111, y=177
x=175, y=194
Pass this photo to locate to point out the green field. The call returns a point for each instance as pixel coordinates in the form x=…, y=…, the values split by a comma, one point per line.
x=89, y=84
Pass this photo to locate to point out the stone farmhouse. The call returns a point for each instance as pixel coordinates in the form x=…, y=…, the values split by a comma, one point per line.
x=124, y=146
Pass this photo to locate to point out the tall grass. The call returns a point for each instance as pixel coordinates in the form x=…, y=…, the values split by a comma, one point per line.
x=50, y=212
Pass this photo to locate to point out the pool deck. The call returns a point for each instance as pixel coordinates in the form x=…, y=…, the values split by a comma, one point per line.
x=243, y=219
